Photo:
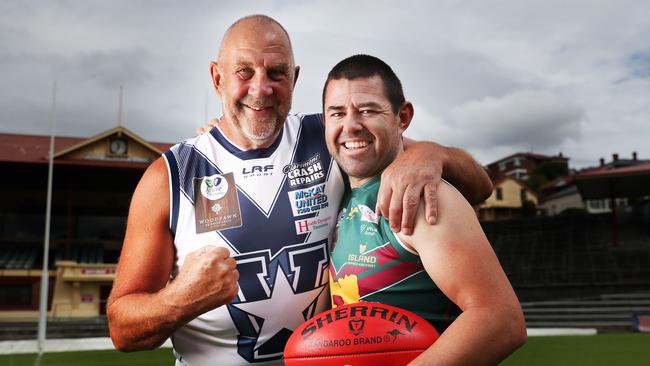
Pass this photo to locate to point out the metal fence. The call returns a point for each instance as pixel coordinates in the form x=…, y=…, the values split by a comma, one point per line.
x=572, y=255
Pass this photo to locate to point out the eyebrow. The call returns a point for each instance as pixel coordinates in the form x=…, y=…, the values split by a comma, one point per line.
x=360, y=105
x=334, y=108
x=370, y=104
x=283, y=68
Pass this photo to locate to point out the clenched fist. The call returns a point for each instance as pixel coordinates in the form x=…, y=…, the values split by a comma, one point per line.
x=207, y=280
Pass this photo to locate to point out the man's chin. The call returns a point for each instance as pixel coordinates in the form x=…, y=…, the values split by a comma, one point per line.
x=261, y=135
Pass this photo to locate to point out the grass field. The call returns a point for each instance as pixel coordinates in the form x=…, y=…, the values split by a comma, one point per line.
x=629, y=349
x=608, y=349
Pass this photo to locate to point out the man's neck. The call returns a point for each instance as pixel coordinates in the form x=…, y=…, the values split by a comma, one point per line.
x=358, y=182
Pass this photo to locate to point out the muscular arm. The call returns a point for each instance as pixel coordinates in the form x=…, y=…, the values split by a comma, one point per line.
x=463, y=265
x=458, y=168
x=418, y=169
x=144, y=309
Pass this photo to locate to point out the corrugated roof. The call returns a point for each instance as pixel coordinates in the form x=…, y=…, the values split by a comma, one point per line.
x=607, y=182
x=615, y=172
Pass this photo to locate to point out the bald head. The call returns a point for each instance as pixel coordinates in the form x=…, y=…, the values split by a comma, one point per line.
x=254, y=25
x=254, y=76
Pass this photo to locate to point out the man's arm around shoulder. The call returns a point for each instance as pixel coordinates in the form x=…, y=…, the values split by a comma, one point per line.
x=145, y=308
x=416, y=172
x=459, y=259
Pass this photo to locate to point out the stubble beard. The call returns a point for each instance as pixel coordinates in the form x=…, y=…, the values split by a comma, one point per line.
x=259, y=130
x=365, y=168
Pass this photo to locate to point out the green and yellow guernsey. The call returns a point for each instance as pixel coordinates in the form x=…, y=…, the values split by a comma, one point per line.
x=370, y=263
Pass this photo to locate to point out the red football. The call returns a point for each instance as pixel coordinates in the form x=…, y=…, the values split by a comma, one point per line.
x=361, y=334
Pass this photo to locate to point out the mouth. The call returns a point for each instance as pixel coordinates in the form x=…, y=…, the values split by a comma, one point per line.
x=255, y=108
x=355, y=145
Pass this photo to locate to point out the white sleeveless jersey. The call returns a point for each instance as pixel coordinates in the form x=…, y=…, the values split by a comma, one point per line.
x=289, y=196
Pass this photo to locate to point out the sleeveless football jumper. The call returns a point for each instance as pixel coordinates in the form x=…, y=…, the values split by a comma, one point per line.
x=370, y=263
x=277, y=223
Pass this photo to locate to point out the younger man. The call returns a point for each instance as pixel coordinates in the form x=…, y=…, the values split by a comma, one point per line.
x=447, y=273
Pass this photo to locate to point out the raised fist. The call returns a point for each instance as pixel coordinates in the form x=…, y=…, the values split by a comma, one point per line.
x=207, y=280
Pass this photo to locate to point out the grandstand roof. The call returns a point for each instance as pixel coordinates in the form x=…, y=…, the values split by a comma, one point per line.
x=18, y=148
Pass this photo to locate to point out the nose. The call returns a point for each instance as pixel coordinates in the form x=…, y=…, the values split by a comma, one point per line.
x=352, y=123
x=260, y=86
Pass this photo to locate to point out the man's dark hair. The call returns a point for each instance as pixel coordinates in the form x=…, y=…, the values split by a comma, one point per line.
x=366, y=66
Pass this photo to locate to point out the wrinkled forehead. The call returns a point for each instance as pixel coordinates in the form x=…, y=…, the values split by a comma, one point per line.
x=357, y=91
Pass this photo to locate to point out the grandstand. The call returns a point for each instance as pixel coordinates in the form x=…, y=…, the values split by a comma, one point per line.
x=92, y=186
x=613, y=312
x=577, y=270
x=18, y=256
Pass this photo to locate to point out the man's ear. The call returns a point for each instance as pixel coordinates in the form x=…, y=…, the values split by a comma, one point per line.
x=295, y=75
x=405, y=116
x=216, y=76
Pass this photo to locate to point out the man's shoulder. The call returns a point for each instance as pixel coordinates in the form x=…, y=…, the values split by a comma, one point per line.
x=452, y=203
x=191, y=141
x=455, y=215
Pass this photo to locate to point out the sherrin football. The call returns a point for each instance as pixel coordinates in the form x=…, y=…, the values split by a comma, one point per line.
x=361, y=334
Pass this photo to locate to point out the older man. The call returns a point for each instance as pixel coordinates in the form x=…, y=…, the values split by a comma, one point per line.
x=447, y=272
x=227, y=242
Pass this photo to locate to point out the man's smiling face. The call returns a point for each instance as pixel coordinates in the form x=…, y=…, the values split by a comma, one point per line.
x=363, y=133
x=255, y=76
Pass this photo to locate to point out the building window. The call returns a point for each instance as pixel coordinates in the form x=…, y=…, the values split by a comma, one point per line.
x=519, y=174
x=517, y=162
x=499, y=193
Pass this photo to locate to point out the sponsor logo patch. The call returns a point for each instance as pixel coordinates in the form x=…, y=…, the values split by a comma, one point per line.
x=368, y=229
x=216, y=204
x=368, y=215
x=257, y=171
x=305, y=173
x=214, y=187
x=363, y=259
x=308, y=225
x=308, y=200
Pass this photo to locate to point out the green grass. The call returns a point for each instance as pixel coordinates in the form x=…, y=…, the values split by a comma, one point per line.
x=628, y=349
x=161, y=356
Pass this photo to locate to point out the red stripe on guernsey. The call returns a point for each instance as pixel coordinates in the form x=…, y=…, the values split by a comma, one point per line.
x=385, y=254
x=390, y=274
x=387, y=277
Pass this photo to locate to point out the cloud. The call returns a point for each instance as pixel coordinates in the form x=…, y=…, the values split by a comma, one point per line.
x=493, y=77
x=639, y=64
x=523, y=119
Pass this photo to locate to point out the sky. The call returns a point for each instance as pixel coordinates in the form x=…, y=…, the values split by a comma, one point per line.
x=493, y=77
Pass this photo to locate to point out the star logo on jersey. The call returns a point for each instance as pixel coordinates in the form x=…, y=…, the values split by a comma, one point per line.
x=277, y=294
x=293, y=305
